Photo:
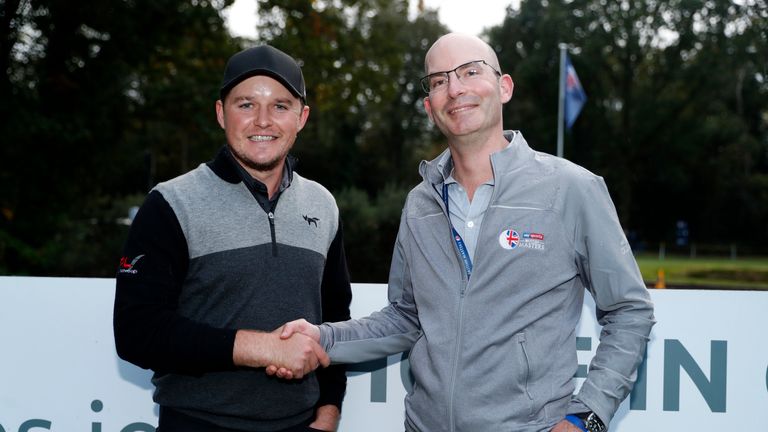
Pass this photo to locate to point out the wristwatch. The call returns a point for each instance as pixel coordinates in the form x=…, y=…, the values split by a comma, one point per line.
x=592, y=422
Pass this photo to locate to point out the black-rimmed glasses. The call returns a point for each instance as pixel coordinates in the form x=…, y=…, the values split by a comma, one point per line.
x=438, y=81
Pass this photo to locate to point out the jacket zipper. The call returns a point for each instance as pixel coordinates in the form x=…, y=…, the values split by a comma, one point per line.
x=451, y=417
x=462, y=294
x=460, y=324
x=271, y=217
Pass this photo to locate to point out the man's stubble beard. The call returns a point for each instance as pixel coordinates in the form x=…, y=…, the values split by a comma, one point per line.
x=257, y=166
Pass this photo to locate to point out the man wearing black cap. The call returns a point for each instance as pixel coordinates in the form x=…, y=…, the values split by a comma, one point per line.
x=220, y=257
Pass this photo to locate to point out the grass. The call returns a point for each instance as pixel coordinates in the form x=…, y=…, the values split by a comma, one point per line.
x=706, y=272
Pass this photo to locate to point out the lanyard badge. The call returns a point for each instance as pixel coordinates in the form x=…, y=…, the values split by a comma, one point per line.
x=457, y=238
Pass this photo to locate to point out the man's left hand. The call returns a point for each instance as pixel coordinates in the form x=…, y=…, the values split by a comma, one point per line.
x=327, y=418
x=566, y=426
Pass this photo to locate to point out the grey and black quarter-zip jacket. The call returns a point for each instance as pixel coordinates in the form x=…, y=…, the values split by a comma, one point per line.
x=497, y=352
x=208, y=253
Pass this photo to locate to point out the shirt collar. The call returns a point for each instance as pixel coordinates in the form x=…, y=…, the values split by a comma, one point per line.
x=438, y=170
x=226, y=167
x=445, y=166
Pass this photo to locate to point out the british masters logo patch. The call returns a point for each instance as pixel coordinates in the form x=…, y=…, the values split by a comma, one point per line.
x=511, y=239
x=127, y=267
x=532, y=240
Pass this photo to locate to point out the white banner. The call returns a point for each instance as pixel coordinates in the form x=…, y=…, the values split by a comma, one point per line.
x=706, y=367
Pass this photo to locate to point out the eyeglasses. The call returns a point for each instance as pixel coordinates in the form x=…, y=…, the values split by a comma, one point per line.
x=465, y=73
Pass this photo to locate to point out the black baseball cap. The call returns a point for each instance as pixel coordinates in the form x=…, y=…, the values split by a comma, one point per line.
x=263, y=60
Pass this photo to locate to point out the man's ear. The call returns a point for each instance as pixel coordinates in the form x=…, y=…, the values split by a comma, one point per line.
x=303, y=116
x=220, y=113
x=507, y=87
x=428, y=109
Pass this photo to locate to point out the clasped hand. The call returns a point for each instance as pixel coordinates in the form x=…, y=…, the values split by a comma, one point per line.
x=297, y=329
x=291, y=351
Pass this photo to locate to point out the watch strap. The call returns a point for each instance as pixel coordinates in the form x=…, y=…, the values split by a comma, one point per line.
x=576, y=421
x=592, y=422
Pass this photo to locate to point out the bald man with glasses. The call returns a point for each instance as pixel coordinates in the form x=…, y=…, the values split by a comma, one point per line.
x=497, y=247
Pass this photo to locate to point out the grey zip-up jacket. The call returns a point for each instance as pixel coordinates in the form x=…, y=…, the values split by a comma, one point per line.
x=498, y=352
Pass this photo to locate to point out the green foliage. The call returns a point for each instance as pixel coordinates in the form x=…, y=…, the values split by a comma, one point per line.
x=102, y=100
x=367, y=130
x=370, y=227
x=706, y=272
x=677, y=115
x=360, y=61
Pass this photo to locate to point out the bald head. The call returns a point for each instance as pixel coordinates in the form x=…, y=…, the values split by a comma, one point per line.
x=454, y=49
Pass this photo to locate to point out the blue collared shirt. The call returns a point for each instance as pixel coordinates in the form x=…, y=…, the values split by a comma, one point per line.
x=466, y=216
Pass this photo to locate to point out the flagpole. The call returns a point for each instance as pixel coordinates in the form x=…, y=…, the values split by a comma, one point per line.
x=561, y=101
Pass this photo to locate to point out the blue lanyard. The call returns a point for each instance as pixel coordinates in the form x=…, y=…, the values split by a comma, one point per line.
x=457, y=238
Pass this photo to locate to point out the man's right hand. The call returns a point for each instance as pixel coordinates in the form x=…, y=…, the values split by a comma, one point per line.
x=299, y=327
x=295, y=356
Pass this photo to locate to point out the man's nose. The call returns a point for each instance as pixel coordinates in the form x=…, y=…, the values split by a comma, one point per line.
x=263, y=117
x=455, y=86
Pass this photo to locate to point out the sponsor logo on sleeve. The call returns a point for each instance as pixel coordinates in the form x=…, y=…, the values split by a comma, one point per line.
x=128, y=267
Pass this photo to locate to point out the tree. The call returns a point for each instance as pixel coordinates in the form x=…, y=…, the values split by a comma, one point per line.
x=367, y=129
x=94, y=92
x=676, y=117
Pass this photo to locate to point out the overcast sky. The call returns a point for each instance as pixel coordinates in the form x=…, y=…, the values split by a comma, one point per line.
x=465, y=16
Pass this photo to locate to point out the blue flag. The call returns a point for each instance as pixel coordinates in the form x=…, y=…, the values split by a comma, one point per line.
x=574, y=94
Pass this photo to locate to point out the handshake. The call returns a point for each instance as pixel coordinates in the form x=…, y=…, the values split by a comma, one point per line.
x=290, y=351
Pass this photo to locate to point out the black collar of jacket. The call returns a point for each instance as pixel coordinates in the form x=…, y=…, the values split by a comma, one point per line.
x=228, y=169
